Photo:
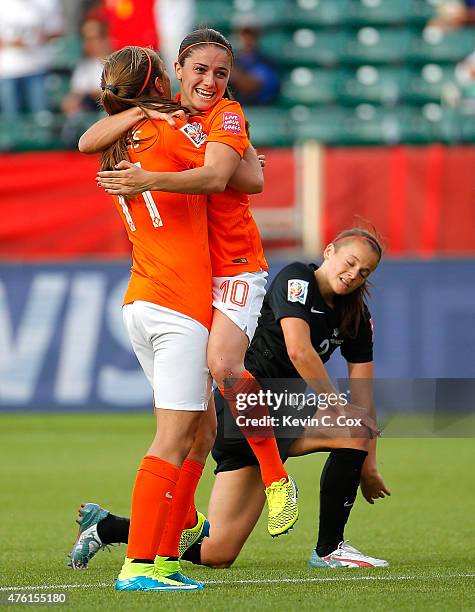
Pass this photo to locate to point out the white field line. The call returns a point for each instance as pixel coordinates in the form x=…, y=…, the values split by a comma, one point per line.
x=257, y=581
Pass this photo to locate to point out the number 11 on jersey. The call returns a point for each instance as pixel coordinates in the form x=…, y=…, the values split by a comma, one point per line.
x=151, y=207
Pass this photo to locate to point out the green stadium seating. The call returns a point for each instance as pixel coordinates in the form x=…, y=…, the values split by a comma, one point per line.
x=224, y=15
x=303, y=85
x=66, y=52
x=270, y=127
x=319, y=13
x=380, y=12
x=428, y=83
x=377, y=46
x=326, y=124
x=58, y=85
x=434, y=45
x=26, y=134
x=429, y=123
x=305, y=47
x=373, y=84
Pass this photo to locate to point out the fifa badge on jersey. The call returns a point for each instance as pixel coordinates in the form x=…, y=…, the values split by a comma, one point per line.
x=297, y=290
x=194, y=131
x=232, y=123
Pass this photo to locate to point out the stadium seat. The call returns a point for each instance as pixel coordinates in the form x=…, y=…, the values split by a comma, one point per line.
x=377, y=46
x=326, y=124
x=305, y=47
x=319, y=13
x=380, y=12
x=367, y=124
x=66, y=52
x=58, y=85
x=224, y=15
x=428, y=83
x=308, y=86
x=270, y=127
x=429, y=123
x=374, y=84
x=213, y=14
x=435, y=45
x=26, y=134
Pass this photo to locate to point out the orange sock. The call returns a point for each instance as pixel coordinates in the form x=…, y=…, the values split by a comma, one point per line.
x=151, y=501
x=183, y=499
x=263, y=445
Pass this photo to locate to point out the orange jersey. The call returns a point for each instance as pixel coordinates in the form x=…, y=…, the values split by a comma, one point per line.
x=234, y=239
x=168, y=231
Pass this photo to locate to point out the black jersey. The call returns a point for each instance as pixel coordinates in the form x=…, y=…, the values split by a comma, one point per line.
x=295, y=293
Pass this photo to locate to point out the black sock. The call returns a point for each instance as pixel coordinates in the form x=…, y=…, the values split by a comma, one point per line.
x=113, y=529
x=338, y=487
x=193, y=554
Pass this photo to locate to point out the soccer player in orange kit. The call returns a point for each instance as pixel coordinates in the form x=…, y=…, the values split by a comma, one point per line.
x=239, y=267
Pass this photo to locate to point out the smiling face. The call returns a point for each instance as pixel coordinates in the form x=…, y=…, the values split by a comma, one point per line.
x=203, y=77
x=347, y=264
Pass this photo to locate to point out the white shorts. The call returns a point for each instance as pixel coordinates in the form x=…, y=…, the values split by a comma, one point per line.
x=240, y=298
x=171, y=349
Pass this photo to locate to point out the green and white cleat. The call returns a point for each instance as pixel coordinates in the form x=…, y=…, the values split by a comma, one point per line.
x=282, y=505
x=345, y=556
x=194, y=534
x=87, y=542
x=171, y=570
x=143, y=577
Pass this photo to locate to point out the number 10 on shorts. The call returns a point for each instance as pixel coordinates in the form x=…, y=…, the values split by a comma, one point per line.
x=234, y=292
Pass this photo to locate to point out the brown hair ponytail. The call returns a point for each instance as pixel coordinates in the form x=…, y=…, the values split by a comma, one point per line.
x=127, y=81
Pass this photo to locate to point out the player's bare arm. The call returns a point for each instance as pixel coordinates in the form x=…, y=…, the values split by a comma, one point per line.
x=303, y=355
x=220, y=164
x=309, y=365
x=249, y=177
x=106, y=131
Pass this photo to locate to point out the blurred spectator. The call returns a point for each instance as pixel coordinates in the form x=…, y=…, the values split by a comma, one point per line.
x=254, y=79
x=130, y=22
x=86, y=78
x=26, y=27
x=454, y=14
x=176, y=18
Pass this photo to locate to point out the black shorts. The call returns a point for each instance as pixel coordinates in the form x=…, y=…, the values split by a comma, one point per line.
x=231, y=451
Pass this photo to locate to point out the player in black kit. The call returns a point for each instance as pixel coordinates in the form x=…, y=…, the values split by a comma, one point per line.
x=307, y=314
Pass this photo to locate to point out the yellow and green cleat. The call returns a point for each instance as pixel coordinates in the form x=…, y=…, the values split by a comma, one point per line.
x=171, y=570
x=144, y=577
x=194, y=534
x=282, y=506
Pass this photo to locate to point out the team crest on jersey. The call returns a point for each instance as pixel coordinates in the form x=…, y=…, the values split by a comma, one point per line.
x=232, y=122
x=297, y=290
x=194, y=131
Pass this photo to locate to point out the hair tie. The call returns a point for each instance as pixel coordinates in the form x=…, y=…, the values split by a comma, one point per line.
x=111, y=88
x=206, y=42
x=148, y=73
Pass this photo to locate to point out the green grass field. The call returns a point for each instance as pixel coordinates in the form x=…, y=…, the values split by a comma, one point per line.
x=50, y=463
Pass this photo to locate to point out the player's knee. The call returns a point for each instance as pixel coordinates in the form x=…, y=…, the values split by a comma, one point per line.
x=222, y=369
x=222, y=560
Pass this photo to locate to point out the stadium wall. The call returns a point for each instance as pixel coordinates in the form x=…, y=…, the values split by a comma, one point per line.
x=420, y=199
x=63, y=346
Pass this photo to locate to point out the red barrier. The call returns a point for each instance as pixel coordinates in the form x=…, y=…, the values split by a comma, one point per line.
x=421, y=199
x=51, y=207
